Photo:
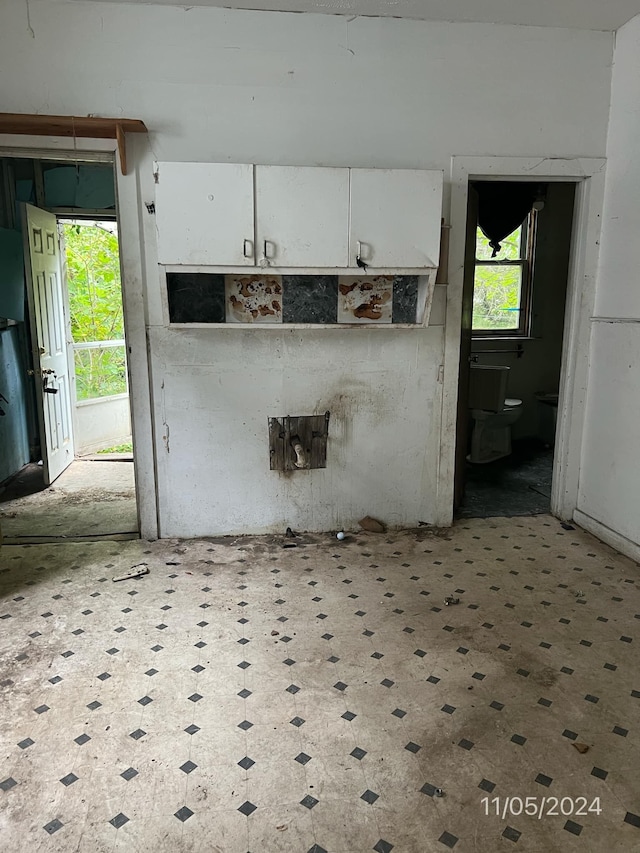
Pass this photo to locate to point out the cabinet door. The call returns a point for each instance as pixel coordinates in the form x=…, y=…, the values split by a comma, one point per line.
x=302, y=216
x=204, y=214
x=395, y=217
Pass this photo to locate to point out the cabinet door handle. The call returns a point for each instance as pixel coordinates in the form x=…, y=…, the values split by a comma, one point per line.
x=247, y=248
x=265, y=253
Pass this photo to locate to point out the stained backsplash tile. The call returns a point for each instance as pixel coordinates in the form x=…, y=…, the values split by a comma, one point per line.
x=253, y=298
x=368, y=299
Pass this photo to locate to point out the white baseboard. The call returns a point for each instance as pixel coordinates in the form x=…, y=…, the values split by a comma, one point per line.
x=606, y=534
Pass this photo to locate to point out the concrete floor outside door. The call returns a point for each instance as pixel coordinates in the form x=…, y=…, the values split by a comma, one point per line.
x=91, y=498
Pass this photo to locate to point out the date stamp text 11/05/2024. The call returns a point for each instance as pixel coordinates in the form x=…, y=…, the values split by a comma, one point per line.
x=540, y=807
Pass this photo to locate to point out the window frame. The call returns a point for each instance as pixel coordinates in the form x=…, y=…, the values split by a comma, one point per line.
x=526, y=263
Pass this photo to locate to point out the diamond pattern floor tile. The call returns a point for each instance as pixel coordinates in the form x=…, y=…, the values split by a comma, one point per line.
x=385, y=693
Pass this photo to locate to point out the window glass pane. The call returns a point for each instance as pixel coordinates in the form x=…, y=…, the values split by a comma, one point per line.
x=512, y=247
x=496, y=297
x=100, y=372
x=93, y=278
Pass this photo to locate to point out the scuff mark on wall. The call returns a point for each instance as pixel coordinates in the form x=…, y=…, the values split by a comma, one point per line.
x=165, y=436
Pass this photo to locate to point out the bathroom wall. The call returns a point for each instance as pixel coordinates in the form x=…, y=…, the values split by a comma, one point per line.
x=538, y=369
x=610, y=473
x=218, y=85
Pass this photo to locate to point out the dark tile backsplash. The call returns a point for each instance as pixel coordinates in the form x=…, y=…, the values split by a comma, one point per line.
x=196, y=297
x=405, y=299
x=310, y=298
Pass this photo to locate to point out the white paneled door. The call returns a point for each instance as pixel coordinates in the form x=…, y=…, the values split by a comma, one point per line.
x=302, y=216
x=204, y=214
x=47, y=316
x=395, y=217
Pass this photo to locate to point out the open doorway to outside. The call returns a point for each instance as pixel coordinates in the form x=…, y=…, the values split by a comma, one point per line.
x=66, y=462
x=515, y=285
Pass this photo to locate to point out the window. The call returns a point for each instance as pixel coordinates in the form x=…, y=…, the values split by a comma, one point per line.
x=502, y=285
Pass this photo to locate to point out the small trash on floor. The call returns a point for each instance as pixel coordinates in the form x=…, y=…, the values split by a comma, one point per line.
x=451, y=600
x=439, y=792
x=275, y=633
x=566, y=526
x=135, y=572
x=290, y=534
x=579, y=593
x=289, y=544
x=372, y=524
x=581, y=747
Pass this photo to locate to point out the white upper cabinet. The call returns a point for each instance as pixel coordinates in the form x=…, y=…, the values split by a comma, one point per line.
x=302, y=216
x=395, y=217
x=204, y=214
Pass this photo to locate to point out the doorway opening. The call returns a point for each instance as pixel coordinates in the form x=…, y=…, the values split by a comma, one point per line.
x=66, y=452
x=514, y=294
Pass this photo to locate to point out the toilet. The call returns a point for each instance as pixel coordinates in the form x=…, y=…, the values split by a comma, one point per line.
x=492, y=413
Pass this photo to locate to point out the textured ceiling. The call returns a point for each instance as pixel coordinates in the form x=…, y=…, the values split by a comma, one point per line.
x=582, y=14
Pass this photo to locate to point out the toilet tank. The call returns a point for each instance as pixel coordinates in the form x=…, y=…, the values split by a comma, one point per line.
x=488, y=387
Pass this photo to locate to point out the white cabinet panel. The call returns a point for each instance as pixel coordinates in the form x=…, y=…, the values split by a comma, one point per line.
x=204, y=214
x=395, y=217
x=302, y=216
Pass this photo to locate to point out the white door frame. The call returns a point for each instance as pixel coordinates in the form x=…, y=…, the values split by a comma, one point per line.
x=133, y=297
x=588, y=174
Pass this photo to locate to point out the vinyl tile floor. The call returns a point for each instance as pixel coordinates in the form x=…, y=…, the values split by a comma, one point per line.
x=244, y=697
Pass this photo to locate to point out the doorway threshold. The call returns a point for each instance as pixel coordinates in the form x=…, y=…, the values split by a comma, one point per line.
x=46, y=540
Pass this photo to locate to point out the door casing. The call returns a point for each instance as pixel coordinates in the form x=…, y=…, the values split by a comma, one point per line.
x=132, y=263
x=588, y=174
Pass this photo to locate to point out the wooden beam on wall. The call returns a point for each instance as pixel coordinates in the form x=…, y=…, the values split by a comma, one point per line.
x=82, y=127
x=122, y=148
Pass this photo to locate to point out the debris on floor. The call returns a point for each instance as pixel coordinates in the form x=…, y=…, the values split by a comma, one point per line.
x=372, y=524
x=134, y=572
x=163, y=713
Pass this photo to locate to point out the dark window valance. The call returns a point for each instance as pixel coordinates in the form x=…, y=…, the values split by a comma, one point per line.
x=502, y=207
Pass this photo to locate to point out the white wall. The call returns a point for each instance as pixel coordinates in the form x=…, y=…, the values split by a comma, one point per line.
x=101, y=423
x=610, y=477
x=301, y=89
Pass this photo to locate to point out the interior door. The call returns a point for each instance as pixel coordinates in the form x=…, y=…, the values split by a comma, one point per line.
x=302, y=216
x=462, y=430
x=46, y=313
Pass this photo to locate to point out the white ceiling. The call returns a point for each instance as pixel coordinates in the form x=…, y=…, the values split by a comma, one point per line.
x=582, y=14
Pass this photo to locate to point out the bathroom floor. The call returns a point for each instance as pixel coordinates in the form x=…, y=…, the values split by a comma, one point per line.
x=517, y=485
x=323, y=698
